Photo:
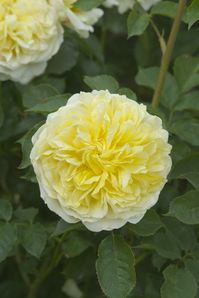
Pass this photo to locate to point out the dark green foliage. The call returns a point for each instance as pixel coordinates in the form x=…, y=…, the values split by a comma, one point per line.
x=159, y=256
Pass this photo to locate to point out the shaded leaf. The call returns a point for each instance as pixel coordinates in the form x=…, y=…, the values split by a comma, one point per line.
x=187, y=168
x=179, y=283
x=186, y=129
x=75, y=244
x=166, y=8
x=189, y=102
x=148, y=77
x=186, y=70
x=186, y=208
x=33, y=94
x=149, y=225
x=50, y=104
x=64, y=227
x=128, y=92
x=102, y=82
x=87, y=4
x=65, y=59
x=26, y=146
x=26, y=214
x=192, y=13
x=5, y=210
x=34, y=239
x=8, y=238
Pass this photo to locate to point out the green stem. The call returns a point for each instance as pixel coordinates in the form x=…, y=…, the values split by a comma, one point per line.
x=22, y=273
x=140, y=258
x=45, y=270
x=166, y=58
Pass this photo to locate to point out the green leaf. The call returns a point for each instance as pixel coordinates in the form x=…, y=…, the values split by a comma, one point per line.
x=179, y=283
x=186, y=129
x=184, y=235
x=10, y=289
x=65, y=59
x=164, y=243
x=180, y=150
x=34, y=239
x=26, y=146
x=193, y=266
x=137, y=22
x=8, y=238
x=81, y=266
x=5, y=210
x=149, y=225
x=147, y=77
x=128, y=92
x=187, y=165
x=187, y=168
x=188, y=102
x=102, y=82
x=75, y=244
x=192, y=13
x=33, y=94
x=64, y=227
x=186, y=208
x=51, y=104
x=92, y=48
x=88, y=4
x=115, y=267
x=26, y=214
x=166, y=8
x=186, y=70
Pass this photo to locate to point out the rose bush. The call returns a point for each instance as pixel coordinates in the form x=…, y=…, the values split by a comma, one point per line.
x=93, y=97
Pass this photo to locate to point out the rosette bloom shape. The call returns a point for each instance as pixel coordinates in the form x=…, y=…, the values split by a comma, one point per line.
x=30, y=34
x=102, y=159
x=124, y=5
x=72, y=17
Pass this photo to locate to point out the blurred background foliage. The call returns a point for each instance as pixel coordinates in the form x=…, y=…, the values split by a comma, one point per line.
x=42, y=256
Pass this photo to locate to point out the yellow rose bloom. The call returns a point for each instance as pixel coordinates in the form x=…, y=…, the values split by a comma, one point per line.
x=102, y=159
x=80, y=21
x=30, y=34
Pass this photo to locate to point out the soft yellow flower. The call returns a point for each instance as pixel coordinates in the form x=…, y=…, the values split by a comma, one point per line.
x=80, y=21
x=30, y=34
x=102, y=159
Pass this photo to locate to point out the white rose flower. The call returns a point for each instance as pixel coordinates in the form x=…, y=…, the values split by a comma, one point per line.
x=80, y=21
x=124, y=5
x=30, y=34
x=147, y=4
x=102, y=159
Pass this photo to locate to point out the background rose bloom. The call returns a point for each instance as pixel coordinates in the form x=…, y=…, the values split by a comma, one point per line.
x=30, y=34
x=124, y=5
x=102, y=159
x=76, y=19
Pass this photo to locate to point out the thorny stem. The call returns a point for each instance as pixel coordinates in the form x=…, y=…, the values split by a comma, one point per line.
x=166, y=58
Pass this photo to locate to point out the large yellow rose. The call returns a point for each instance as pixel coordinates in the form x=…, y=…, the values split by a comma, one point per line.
x=102, y=159
x=30, y=34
